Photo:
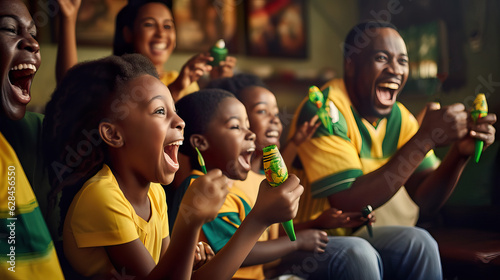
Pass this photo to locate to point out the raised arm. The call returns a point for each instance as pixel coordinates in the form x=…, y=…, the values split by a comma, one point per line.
x=431, y=192
x=273, y=205
x=431, y=187
x=225, y=69
x=191, y=72
x=439, y=128
x=66, y=49
x=303, y=133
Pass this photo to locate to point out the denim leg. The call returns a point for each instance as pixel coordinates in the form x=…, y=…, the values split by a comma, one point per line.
x=406, y=252
x=345, y=257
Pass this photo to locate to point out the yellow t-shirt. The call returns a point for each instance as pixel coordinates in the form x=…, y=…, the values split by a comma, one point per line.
x=26, y=248
x=169, y=77
x=100, y=216
x=331, y=163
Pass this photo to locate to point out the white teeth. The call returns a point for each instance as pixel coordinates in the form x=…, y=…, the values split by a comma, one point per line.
x=273, y=134
x=160, y=46
x=250, y=150
x=23, y=66
x=177, y=143
x=389, y=85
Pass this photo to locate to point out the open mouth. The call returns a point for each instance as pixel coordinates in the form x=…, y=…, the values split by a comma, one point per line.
x=20, y=77
x=386, y=93
x=158, y=47
x=170, y=152
x=245, y=157
x=272, y=136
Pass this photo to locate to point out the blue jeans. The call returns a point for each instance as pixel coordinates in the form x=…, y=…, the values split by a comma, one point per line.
x=406, y=252
x=393, y=253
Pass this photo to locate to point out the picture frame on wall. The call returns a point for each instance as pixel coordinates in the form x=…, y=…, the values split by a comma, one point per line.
x=429, y=63
x=201, y=23
x=276, y=28
x=96, y=19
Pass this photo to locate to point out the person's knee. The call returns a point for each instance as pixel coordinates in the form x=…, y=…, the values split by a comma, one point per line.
x=355, y=259
x=422, y=254
x=361, y=247
x=356, y=248
x=423, y=237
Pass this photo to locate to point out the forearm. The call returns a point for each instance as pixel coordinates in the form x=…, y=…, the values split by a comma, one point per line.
x=177, y=263
x=436, y=188
x=66, y=50
x=377, y=187
x=176, y=88
x=267, y=251
x=227, y=261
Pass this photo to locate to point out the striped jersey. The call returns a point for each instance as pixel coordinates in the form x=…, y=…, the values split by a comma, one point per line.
x=330, y=163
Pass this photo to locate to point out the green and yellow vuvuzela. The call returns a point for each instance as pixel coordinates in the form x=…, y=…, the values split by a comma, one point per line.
x=276, y=174
x=318, y=99
x=479, y=110
x=218, y=52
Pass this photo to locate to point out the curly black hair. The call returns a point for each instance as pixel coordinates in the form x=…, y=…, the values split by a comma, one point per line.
x=351, y=40
x=73, y=148
x=237, y=84
x=197, y=110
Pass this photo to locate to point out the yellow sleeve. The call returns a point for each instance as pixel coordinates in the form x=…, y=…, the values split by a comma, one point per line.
x=102, y=217
x=331, y=164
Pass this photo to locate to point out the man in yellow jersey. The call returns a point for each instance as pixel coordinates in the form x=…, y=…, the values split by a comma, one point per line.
x=378, y=155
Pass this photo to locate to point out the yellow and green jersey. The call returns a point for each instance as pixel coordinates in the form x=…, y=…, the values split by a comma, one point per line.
x=26, y=247
x=237, y=205
x=330, y=163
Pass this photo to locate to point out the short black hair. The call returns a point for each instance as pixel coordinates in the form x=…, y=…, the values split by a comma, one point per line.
x=73, y=148
x=237, y=83
x=358, y=30
x=126, y=18
x=197, y=110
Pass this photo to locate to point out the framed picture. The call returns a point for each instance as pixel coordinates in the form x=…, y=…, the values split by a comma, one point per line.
x=427, y=52
x=95, y=24
x=276, y=28
x=201, y=23
x=43, y=13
